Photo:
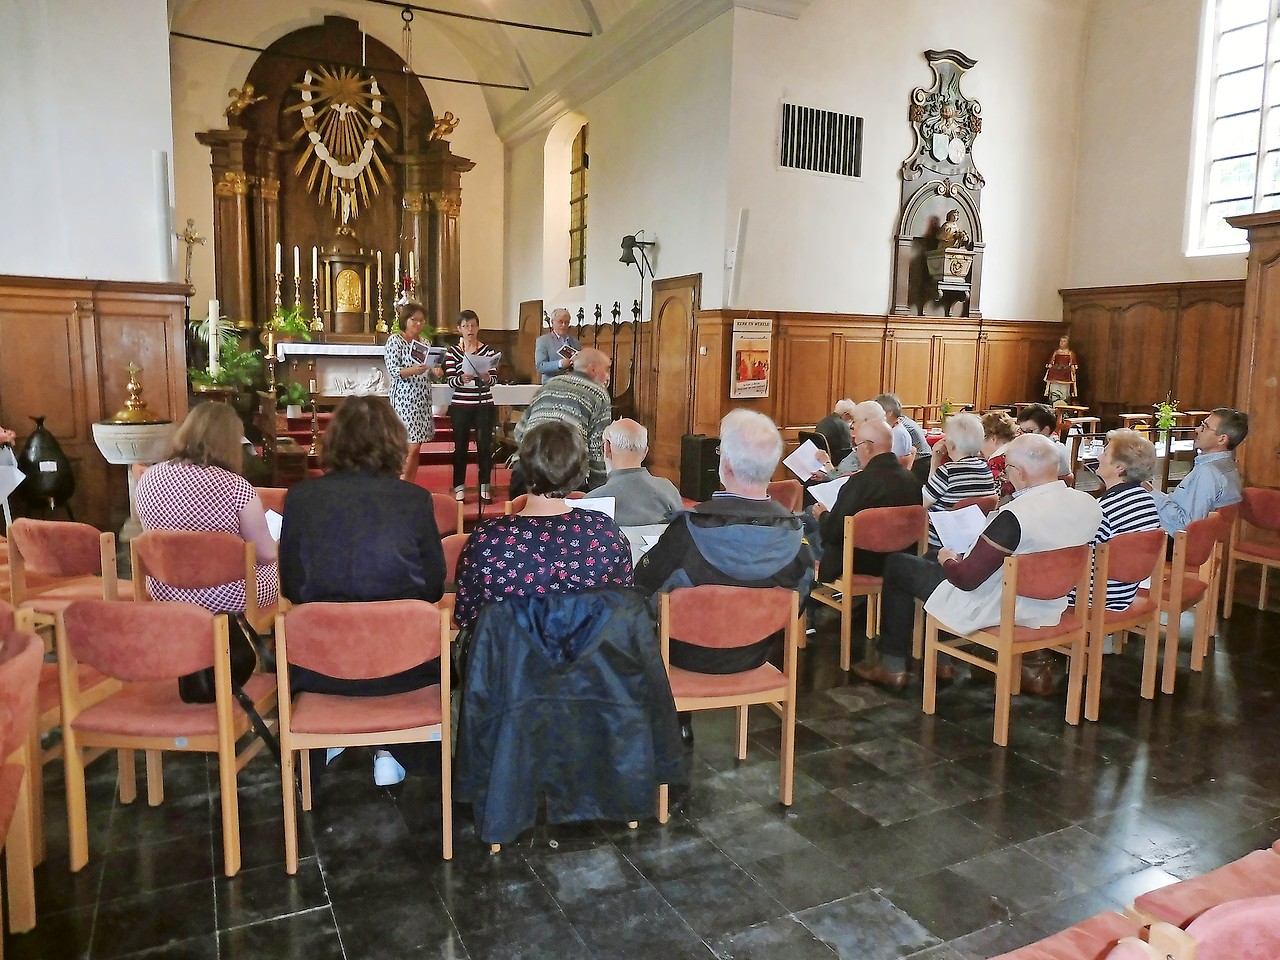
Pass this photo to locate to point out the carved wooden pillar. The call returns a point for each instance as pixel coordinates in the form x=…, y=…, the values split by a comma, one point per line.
x=265, y=194
x=415, y=218
x=1257, y=389
x=445, y=207
x=231, y=248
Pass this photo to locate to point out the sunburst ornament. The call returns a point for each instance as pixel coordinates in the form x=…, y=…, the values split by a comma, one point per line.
x=344, y=125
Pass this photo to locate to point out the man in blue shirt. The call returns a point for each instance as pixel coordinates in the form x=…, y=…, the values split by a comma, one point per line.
x=553, y=353
x=1214, y=481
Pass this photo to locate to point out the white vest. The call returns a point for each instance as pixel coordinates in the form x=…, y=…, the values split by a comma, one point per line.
x=1051, y=515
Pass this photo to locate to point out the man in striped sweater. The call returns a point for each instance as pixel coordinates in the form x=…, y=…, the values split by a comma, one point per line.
x=580, y=397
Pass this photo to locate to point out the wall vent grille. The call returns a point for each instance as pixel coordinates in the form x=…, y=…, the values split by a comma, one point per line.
x=821, y=141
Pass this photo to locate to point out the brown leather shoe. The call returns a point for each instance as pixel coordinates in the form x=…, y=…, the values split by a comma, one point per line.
x=874, y=673
x=1037, y=677
x=946, y=672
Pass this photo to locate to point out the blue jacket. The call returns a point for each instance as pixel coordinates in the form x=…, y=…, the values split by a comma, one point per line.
x=565, y=696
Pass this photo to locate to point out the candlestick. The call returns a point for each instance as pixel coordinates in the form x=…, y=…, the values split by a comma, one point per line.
x=316, y=322
x=315, y=262
x=381, y=325
x=279, y=280
x=396, y=272
x=214, y=359
x=296, y=268
x=278, y=269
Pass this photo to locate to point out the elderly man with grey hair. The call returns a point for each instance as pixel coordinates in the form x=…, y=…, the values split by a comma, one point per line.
x=895, y=417
x=835, y=430
x=964, y=592
x=868, y=411
x=639, y=497
x=738, y=538
x=553, y=352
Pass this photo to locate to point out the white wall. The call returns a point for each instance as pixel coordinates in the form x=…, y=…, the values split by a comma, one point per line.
x=658, y=145
x=1136, y=148
x=202, y=75
x=825, y=244
x=85, y=113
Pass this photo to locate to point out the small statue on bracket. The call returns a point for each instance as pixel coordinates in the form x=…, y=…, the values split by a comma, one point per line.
x=1060, y=373
x=443, y=126
x=951, y=234
x=240, y=101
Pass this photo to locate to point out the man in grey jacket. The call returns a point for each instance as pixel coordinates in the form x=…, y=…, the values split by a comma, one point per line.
x=640, y=498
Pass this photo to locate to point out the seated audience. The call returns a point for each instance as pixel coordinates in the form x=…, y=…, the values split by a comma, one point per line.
x=738, y=538
x=1040, y=419
x=998, y=431
x=868, y=411
x=197, y=488
x=835, y=429
x=550, y=546
x=361, y=533
x=883, y=482
x=1214, y=480
x=579, y=398
x=895, y=417
x=640, y=498
x=964, y=592
x=1128, y=461
x=957, y=470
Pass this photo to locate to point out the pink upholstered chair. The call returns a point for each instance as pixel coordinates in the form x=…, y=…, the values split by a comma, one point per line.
x=272, y=497
x=731, y=617
x=1049, y=575
x=1261, y=510
x=448, y=513
x=986, y=504
x=1240, y=930
x=1254, y=875
x=789, y=494
x=512, y=507
x=453, y=545
x=194, y=560
x=20, y=658
x=1188, y=584
x=883, y=530
x=1230, y=515
x=1087, y=940
x=120, y=640
x=361, y=641
x=1129, y=558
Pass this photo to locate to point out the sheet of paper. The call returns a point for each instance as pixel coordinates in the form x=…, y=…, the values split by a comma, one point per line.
x=826, y=493
x=479, y=366
x=566, y=351
x=10, y=477
x=273, y=524
x=803, y=461
x=599, y=504
x=959, y=529
x=435, y=356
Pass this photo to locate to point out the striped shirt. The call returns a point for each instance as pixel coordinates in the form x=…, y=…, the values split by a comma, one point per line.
x=957, y=480
x=1125, y=508
x=476, y=392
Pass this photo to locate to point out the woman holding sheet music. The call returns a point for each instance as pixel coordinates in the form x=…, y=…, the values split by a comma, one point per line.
x=469, y=366
x=410, y=371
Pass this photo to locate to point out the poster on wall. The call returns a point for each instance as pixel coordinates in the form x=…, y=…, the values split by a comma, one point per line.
x=752, y=344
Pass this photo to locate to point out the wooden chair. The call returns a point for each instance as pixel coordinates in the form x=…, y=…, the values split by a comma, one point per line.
x=1256, y=874
x=1128, y=558
x=730, y=617
x=20, y=661
x=1245, y=929
x=120, y=640
x=987, y=504
x=453, y=546
x=394, y=636
x=1087, y=940
x=1186, y=585
x=1260, y=508
x=789, y=494
x=1230, y=515
x=882, y=530
x=1049, y=575
x=272, y=497
x=196, y=560
x=512, y=507
x=448, y=513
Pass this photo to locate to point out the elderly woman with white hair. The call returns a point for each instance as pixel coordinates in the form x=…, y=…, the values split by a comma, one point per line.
x=957, y=469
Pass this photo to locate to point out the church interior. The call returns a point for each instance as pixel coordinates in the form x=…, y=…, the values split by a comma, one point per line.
x=768, y=205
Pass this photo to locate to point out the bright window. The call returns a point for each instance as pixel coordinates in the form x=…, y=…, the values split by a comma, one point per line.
x=578, y=210
x=1239, y=144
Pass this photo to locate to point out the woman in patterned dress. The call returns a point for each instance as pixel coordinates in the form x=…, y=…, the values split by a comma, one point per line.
x=551, y=546
x=411, y=383
x=198, y=488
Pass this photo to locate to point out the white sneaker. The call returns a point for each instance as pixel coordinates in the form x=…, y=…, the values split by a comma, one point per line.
x=459, y=494
x=387, y=771
x=331, y=754
x=484, y=493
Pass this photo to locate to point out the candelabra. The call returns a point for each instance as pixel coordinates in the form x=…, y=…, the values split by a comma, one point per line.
x=381, y=325
x=316, y=322
x=314, y=449
x=297, y=287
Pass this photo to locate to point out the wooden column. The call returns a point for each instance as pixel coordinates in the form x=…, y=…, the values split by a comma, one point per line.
x=446, y=205
x=265, y=193
x=232, y=251
x=1257, y=388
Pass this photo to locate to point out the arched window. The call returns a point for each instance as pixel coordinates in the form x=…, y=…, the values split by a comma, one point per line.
x=578, y=164
x=1238, y=147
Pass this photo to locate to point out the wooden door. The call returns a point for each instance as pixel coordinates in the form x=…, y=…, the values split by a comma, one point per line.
x=664, y=370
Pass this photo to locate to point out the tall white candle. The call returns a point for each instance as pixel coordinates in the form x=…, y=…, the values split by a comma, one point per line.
x=315, y=264
x=397, y=272
x=277, y=258
x=297, y=265
x=214, y=325
x=412, y=275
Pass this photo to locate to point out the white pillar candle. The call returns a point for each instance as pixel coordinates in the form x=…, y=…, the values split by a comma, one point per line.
x=214, y=326
x=313, y=386
x=277, y=258
x=412, y=274
x=297, y=264
x=315, y=264
x=397, y=272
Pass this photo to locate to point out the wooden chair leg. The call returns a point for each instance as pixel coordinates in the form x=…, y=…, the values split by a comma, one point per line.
x=1262, y=589
x=19, y=866
x=35, y=795
x=1200, y=633
x=290, y=805
x=1075, y=676
x=742, y=733
x=872, y=628
x=787, y=784
x=846, y=631
x=128, y=776
x=1093, y=685
x=230, y=805
x=305, y=760
x=155, y=778
x=1006, y=667
x=1016, y=676
x=446, y=801
x=1150, y=658
x=930, y=665
x=664, y=809
x=917, y=632
x=1229, y=598
x=77, y=814
x=1172, y=632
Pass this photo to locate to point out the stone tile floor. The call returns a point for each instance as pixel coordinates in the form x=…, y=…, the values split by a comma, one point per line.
x=911, y=836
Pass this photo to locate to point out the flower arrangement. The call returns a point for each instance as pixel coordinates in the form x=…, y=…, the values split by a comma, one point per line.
x=1166, y=413
x=290, y=322
x=946, y=409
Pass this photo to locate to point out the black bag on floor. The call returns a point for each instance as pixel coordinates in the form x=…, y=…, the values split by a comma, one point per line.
x=198, y=687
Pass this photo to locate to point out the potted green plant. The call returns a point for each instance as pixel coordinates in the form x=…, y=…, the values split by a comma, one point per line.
x=290, y=397
x=227, y=336
x=288, y=324
x=237, y=369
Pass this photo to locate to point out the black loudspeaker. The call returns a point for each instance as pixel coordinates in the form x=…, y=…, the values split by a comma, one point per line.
x=699, y=466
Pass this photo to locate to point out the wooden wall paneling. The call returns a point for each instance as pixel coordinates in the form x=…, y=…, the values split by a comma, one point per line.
x=1257, y=386
x=1142, y=343
x=1003, y=363
x=1208, y=338
x=910, y=366
x=957, y=362
x=710, y=378
x=804, y=377
x=861, y=364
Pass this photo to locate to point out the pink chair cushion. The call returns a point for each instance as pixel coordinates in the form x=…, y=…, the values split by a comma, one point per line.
x=453, y=545
x=686, y=683
x=1070, y=621
x=272, y=497
x=1051, y=574
x=58, y=548
x=446, y=508
x=788, y=494
x=1252, y=548
x=1240, y=930
x=10, y=783
x=360, y=641
x=1130, y=556
x=6, y=619
x=20, y=660
x=321, y=713
x=141, y=641
x=1143, y=606
x=1088, y=940
x=727, y=617
x=865, y=581
x=887, y=529
x=1129, y=949
x=192, y=560
x=1254, y=875
x=49, y=698
x=1192, y=590
x=1261, y=508
x=1201, y=537
x=153, y=708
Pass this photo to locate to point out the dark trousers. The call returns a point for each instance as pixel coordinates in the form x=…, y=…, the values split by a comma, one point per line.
x=465, y=418
x=907, y=578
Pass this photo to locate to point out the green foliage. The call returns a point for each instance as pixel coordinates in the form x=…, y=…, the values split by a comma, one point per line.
x=1166, y=414
x=236, y=368
x=227, y=336
x=291, y=394
x=290, y=322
